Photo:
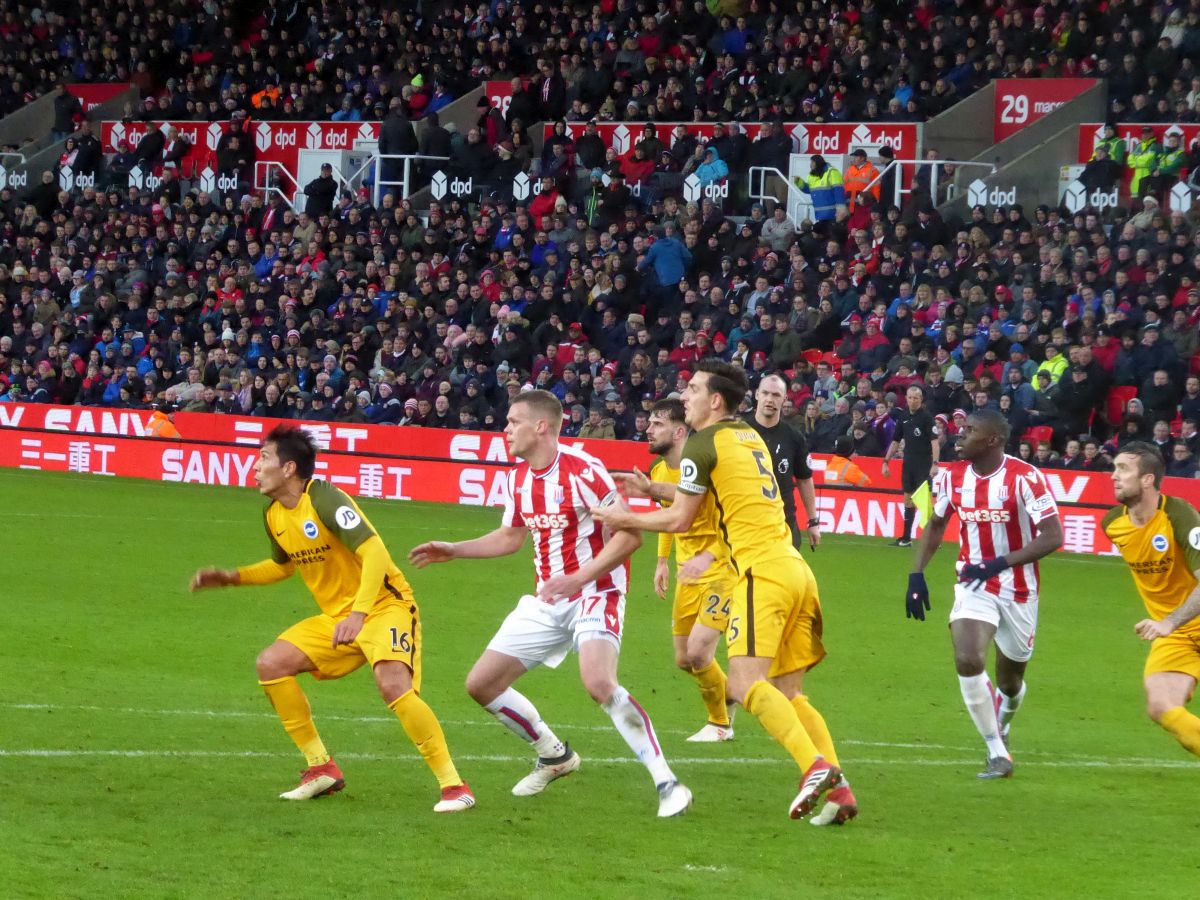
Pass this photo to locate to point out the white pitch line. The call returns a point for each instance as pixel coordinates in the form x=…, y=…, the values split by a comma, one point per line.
x=55, y=753
x=390, y=720
x=1083, y=760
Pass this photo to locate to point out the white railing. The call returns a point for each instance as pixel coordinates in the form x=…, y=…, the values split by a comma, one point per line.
x=266, y=179
x=799, y=204
x=934, y=176
x=405, y=181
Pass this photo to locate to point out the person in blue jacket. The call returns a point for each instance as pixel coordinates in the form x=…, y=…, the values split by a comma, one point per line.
x=713, y=168
x=669, y=257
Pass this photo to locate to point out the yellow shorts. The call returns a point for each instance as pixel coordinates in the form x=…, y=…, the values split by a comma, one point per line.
x=1174, y=653
x=706, y=603
x=392, y=631
x=776, y=613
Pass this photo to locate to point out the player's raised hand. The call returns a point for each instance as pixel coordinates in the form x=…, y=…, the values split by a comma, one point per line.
x=210, y=578
x=916, y=598
x=1150, y=629
x=662, y=578
x=432, y=552
x=613, y=512
x=558, y=587
x=634, y=484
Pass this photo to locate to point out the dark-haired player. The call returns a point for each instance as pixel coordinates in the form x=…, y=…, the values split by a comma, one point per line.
x=774, y=633
x=368, y=614
x=704, y=580
x=1009, y=521
x=1159, y=538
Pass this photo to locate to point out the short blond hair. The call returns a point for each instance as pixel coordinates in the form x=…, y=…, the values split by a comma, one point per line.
x=544, y=405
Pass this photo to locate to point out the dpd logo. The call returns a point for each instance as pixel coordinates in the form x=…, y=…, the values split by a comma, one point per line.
x=262, y=137
x=979, y=195
x=1076, y=197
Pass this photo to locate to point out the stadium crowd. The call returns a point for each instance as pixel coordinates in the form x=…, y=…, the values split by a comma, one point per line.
x=1083, y=332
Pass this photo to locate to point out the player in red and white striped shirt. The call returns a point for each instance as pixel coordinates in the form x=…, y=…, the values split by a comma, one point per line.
x=582, y=574
x=1009, y=521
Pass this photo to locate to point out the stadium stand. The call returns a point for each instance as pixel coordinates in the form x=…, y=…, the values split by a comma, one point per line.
x=607, y=285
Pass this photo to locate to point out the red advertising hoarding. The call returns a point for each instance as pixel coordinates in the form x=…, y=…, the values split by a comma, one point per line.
x=92, y=95
x=1091, y=134
x=441, y=466
x=278, y=142
x=468, y=482
x=1022, y=101
x=807, y=137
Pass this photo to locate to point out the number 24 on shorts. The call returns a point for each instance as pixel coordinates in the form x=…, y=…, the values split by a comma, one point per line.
x=400, y=640
x=714, y=602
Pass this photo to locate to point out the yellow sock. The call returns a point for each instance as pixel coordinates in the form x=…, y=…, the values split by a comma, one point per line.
x=815, y=725
x=766, y=703
x=1184, y=727
x=289, y=701
x=424, y=730
x=712, y=689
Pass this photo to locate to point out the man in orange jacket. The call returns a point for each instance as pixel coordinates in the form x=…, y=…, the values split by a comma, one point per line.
x=840, y=470
x=860, y=173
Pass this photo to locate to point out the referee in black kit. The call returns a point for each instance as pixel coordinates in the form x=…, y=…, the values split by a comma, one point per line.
x=789, y=456
x=914, y=429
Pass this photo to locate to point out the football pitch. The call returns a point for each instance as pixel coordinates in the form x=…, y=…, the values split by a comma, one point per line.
x=139, y=758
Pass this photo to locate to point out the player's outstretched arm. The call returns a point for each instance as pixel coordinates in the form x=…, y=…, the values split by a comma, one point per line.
x=638, y=484
x=266, y=572
x=676, y=518
x=616, y=550
x=505, y=540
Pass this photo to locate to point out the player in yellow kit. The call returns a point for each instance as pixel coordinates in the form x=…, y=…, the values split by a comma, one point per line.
x=704, y=578
x=368, y=614
x=1159, y=537
x=774, y=633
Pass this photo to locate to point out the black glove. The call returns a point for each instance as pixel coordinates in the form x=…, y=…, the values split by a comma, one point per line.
x=975, y=574
x=916, y=600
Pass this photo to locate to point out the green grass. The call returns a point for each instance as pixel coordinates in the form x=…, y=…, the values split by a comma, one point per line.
x=158, y=760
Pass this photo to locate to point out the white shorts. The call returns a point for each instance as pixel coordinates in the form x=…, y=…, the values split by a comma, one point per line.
x=1016, y=623
x=539, y=633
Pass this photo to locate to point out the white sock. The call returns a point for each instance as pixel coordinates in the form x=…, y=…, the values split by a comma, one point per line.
x=1009, y=706
x=977, y=695
x=634, y=725
x=521, y=717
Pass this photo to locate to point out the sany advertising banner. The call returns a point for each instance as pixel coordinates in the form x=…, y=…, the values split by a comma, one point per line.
x=807, y=137
x=384, y=440
x=442, y=466
x=469, y=481
x=92, y=95
x=278, y=142
x=1022, y=101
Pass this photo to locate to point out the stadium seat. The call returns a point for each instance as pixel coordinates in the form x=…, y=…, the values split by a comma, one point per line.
x=813, y=355
x=1115, y=404
x=1038, y=434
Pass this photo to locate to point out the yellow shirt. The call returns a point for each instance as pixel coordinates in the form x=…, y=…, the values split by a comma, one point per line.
x=729, y=461
x=1163, y=555
x=700, y=537
x=319, y=537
